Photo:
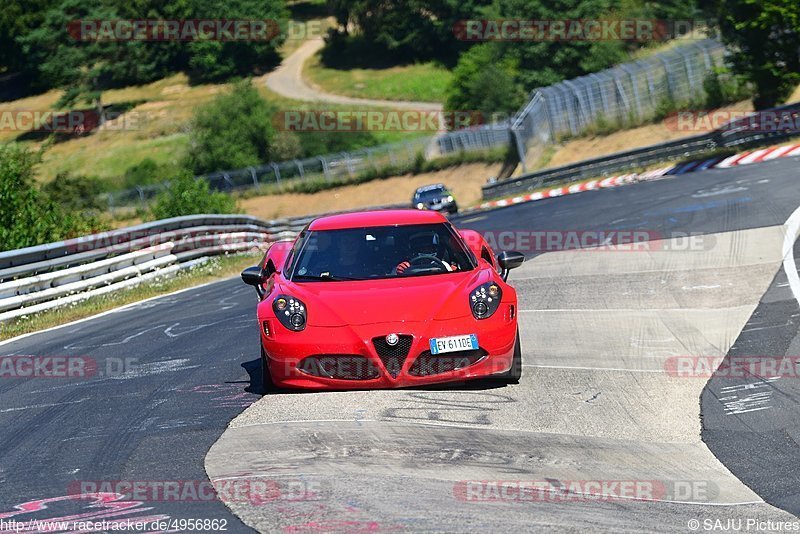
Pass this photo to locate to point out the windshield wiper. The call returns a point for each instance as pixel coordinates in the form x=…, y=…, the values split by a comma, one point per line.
x=327, y=278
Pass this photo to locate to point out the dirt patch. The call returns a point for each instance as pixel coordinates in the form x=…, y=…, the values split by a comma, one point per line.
x=465, y=182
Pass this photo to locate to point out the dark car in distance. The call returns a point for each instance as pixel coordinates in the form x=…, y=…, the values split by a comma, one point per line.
x=434, y=197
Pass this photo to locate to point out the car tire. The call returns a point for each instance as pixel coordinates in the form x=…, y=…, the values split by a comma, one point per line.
x=267, y=384
x=513, y=375
x=454, y=209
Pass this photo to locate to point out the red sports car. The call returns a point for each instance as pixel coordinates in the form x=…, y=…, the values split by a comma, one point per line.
x=385, y=299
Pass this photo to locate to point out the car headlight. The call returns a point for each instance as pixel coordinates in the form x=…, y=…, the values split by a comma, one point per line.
x=485, y=299
x=291, y=312
x=420, y=205
x=450, y=198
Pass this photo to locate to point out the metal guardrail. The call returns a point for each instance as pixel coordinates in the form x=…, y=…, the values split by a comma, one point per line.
x=738, y=133
x=47, y=276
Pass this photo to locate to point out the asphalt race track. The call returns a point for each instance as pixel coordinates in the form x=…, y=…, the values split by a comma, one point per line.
x=597, y=405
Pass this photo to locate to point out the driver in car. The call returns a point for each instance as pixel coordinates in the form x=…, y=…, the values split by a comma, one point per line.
x=424, y=246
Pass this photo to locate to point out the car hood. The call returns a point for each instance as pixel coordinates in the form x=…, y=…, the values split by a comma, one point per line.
x=413, y=299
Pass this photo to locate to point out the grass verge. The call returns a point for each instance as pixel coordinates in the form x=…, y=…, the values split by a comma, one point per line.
x=217, y=268
x=420, y=82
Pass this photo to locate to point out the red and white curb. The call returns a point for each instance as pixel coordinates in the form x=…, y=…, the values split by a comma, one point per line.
x=744, y=158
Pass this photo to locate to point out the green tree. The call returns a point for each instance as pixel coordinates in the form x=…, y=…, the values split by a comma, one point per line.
x=17, y=19
x=83, y=68
x=764, y=39
x=186, y=195
x=233, y=131
x=29, y=217
x=76, y=193
x=408, y=30
x=485, y=81
x=220, y=60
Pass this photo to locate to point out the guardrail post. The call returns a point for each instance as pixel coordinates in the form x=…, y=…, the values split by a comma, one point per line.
x=300, y=169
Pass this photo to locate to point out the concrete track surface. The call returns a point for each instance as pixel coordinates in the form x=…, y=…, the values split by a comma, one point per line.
x=611, y=438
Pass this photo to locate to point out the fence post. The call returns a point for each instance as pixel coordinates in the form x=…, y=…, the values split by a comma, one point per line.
x=325, y=170
x=141, y=197
x=689, y=72
x=255, y=179
x=634, y=87
x=371, y=159
x=651, y=87
x=277, y=172
x=517, y=139
x=668, y=76
x=625, y=102
x=409, y=151
x=348, y=162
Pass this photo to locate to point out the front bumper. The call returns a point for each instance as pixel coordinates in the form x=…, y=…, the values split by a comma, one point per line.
x=293, y=357
x=449, y=207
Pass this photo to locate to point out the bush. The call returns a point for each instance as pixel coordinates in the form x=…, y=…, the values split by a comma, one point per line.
x=721, y=87
x=148, y=172
x=484, y=81
x=78, y=193
x=186, y=195
x=28, y=216
x=232, y=132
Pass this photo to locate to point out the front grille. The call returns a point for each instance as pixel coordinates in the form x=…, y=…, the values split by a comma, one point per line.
x=340, y=366
x=428, y=364
x=393, y=357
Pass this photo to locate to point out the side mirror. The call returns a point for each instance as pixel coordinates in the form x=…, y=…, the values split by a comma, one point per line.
x=252, y=276
x=509, y=260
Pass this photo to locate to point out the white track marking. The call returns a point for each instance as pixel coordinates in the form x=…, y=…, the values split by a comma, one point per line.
x=115, y=310
x=792, y=232
x=617, y=369
x=35, y=406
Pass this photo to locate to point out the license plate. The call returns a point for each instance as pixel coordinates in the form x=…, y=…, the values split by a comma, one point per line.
x=440, y=345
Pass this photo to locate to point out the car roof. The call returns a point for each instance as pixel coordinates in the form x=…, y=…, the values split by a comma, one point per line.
x=372, y=218
x=433, y=187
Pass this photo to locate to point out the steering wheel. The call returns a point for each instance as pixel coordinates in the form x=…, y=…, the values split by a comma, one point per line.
x=428, y=259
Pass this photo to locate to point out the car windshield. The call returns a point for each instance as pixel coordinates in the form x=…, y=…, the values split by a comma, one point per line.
x=431, y=193
x=379, y=252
